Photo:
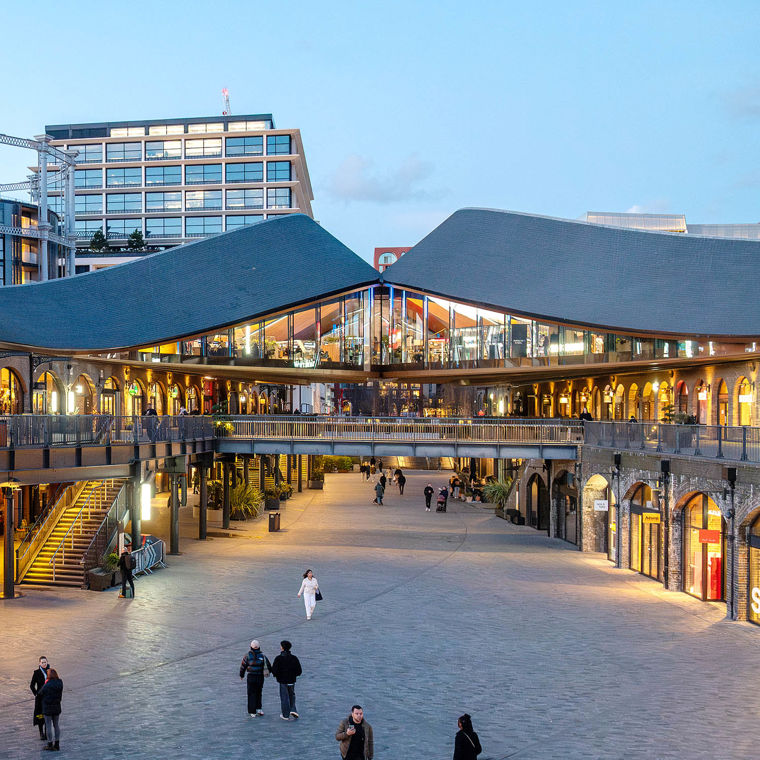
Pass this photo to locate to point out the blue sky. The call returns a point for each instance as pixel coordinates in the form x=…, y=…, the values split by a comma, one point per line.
x=410, y=110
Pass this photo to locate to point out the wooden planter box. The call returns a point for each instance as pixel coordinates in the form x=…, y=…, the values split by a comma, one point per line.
x=317, y=485
x=100, y=581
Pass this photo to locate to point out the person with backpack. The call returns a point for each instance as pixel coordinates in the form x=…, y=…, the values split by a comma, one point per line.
x=286, y=668
x=126, y=565
x=256, y=667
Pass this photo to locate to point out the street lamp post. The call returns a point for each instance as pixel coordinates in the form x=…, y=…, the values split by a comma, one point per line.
x=619, y=507
x=9, y=560
x=665, y=470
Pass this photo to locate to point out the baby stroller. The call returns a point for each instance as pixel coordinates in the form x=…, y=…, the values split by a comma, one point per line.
x=443, y=496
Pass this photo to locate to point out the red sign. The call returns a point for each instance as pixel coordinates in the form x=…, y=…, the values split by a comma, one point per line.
x=709, y=536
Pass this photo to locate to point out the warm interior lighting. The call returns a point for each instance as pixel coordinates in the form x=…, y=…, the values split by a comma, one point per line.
x=54, y=402
x=146, y=493
x=78, y=388
x=702, y=395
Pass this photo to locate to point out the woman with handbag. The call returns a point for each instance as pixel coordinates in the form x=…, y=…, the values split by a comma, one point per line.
x=466, y=744
x=310, y=590
x=38, y=681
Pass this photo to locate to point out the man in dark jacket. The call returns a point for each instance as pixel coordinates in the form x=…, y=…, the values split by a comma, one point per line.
x=126, y=565
x=256, y=666
x=428, y=496
x=286, y=668
x=355, y=736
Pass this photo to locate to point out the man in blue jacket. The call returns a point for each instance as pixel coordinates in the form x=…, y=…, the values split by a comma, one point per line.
x=256, y=666
x=286, y=668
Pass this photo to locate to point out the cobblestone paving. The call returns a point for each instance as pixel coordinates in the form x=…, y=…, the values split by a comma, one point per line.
x=425, y=616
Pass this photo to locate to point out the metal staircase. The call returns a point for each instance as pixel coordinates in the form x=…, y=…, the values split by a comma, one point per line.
x=55, y=556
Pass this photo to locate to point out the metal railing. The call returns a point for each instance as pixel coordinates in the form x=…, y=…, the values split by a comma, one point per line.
x=96, y=499
x=739, y=443
x=105, y=534
x=43, y=527
x=408, y=429
x=40, y=430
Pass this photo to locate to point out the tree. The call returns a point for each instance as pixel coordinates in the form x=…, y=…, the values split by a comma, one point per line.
x=98, y=241
x=136, y=241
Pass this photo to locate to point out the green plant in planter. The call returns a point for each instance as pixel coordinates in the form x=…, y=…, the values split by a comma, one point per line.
x=317, y=475
x=246, y=501
x=215, y=494
x=109, y=562
x=286, y=491
x=498, y=493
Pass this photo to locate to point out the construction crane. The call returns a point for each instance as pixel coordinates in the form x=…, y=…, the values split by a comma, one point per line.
x=226, y=97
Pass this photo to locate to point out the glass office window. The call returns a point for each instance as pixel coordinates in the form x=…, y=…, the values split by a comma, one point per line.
x=203, y=174
x=278, y=145
x=123, y=203
x=121, y=228
x=331, y=330
x=131, y=177
x=206, y=148
x=127, y=132
x=248, y=126
x=278, y=197
x=124, y=152
x=163, y=201
x=88, y=204
x=203, y=199
x=245, y=146
x=160, y=150
x=242, y=220
x=195, y=129
x=163, y=227
x=55, y=203
x=250, y=172
x=278, y=171
x=572, y=342
x=89, y=154
x=305, y=338
x=166, y=129
x=546, y=339
x=492, y=338
x=88, y=178
x=251, y=198
x=464, y=333
x=438, y=332
x=197, y=226
x=163, y=175
x=86, y=228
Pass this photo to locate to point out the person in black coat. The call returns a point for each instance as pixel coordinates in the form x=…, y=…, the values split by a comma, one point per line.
x=401, y=480
x=51, y=694
x=38, y=681
x=126, y=565
x=466, y=744
x=286, y=668
x=428, y=496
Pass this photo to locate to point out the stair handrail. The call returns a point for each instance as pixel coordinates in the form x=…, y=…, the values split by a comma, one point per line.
x=38, y=534
x=79, y=518
x=102, y=538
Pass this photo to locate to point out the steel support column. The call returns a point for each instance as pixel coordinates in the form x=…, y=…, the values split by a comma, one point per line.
x=135, y=506
x=9, y=559
x=203, y=501
x=226, y=492
x=174, y=530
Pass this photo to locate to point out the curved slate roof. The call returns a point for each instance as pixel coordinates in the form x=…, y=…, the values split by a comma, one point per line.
x=590, y=274
x=190, y=289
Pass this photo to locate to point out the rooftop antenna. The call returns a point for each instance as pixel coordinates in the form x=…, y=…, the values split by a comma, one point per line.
x=226, y=96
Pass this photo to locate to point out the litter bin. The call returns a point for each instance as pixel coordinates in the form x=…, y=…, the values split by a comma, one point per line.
x=274, y=522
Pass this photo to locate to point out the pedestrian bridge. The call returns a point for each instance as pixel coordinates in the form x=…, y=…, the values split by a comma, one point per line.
x=401, y=436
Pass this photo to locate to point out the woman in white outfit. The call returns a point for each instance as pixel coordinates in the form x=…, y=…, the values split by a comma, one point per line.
x=309, y=588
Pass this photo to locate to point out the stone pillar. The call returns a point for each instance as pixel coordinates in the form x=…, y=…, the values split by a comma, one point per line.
x=203, y=499
x=9, y=559
x=741, y=579
x=625, y=533
x=300, y=472
x=226, y=494
x=174, y=531
x=246, y=472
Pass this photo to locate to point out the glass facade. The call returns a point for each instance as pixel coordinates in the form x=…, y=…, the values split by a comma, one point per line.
x=124, y=151
x=89, y=154
x=123, y=203
x=242, y=220
x=703, y=547
x=88, y=178
x=251, y=198
x=278, y=197
x=278, y=171
x=203, y=174
x=163, y=175
x=162, y=227
x=203, y=199
x=161, y=150
x=646, y=533
x=160, y=202
x=88, y=204
x=198, y=226
x=249, y=172
x=245, y=146
x=278, y=145
x=131, y=177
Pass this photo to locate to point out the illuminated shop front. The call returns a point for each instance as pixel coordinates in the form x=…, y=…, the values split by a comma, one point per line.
x=565, y=500
x=704, y=548
x=11, y=392
x=645, y=533
x=753, y=608
x=109, y=397
x=47, y=394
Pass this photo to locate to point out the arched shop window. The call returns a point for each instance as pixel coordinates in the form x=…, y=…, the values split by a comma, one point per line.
x=722, y=397
x=82, y=396
x=682, y=397
x=704, y=548
x=109, y=398
x=176, y=402
x=744, y=399
x=753, y=608
x=48, y=394
x=156, y=398
x=135, y=398
x=702, y=392
x=11, y=392
x=620, y=402
x=646, y=533
x=193, y=399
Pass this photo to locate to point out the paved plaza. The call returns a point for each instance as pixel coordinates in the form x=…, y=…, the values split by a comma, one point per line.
x=555, y=654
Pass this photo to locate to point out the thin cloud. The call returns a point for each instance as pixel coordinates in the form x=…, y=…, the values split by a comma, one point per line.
x=356, y=179
x=744, y=102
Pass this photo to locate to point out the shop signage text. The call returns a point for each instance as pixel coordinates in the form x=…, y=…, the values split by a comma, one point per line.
x=709, y=536
x=756, y=600
x=601, y=505
x=650, y=518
